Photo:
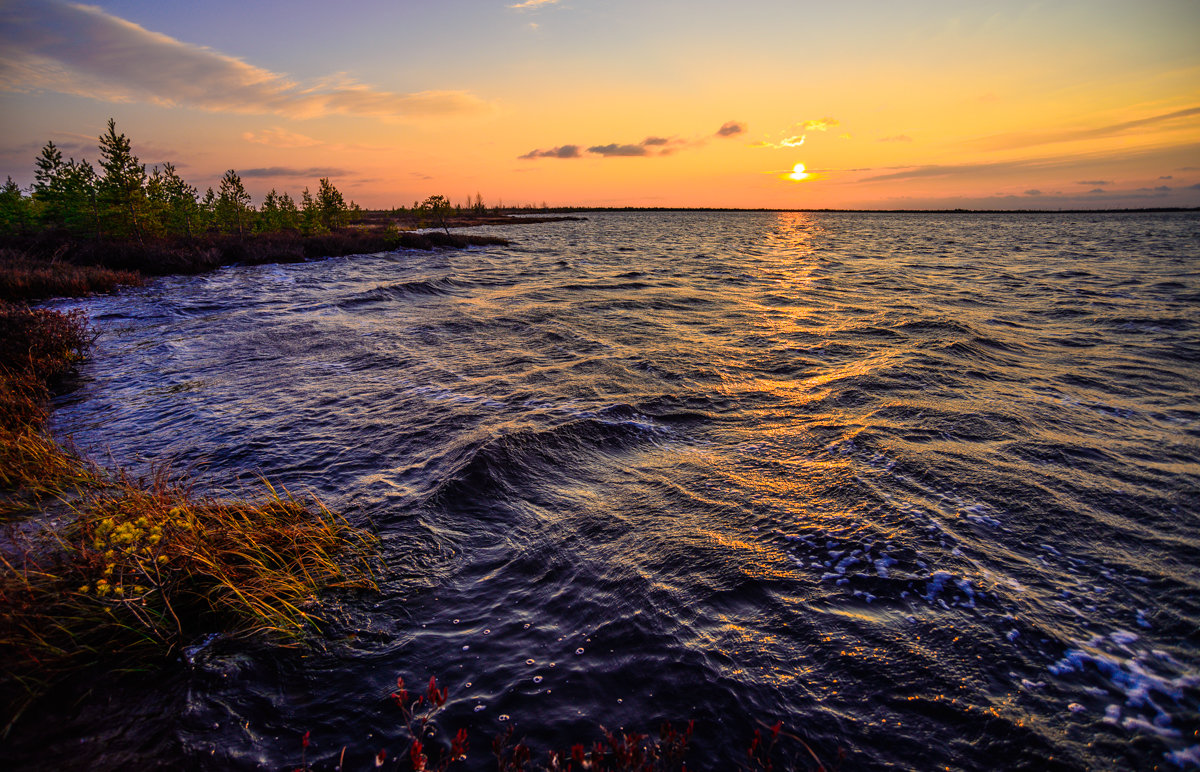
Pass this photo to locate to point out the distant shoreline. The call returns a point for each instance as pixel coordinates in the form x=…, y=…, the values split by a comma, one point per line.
x=582, y=209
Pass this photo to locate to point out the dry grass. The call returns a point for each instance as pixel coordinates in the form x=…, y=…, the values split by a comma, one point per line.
x=104, y=569
x=25, y=278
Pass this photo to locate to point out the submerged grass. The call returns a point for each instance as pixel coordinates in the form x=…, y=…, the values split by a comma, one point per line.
x=102, y=568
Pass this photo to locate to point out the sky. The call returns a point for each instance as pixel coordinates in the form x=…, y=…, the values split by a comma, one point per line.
x=923, y=104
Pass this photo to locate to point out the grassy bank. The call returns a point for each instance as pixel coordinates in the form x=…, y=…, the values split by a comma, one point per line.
x=96, y=567
x=50, y=264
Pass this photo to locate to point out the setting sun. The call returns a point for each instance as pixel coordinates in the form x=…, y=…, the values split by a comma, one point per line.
x=798, y=173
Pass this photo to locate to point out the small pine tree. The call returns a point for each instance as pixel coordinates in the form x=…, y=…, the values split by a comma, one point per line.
x=233, y=204
x=332, y=205
x=207, y=214
x=289, y=215
x=183, y=213
x=16, y=212
x=123, y=185
x=310, y=215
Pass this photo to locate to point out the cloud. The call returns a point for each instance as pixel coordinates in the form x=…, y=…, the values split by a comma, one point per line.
x=1094, y=182
x=1097, y=190
x=530, y=4
x=280, y=137
x=821, y=124
x=731, y=129
x=896, y=138
x=1166, y=177
x=795, y=141
x=564, y=151
x=1034, y=192
x=49, y=45
x=289, y=171
x=650, y=146
x=1193, y=187
x=1019, y=140
x=618, y=150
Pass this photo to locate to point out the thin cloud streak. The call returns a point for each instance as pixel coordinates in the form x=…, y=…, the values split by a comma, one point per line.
x=648, y=147
x=1019, y=140
x=291, y=172
x=563, y=151
x=84, y=51
x=280, y=137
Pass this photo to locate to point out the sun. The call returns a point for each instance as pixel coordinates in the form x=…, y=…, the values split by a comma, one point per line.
x=798, y=173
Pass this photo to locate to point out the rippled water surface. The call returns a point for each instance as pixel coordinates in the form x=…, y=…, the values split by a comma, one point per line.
x=925, y=487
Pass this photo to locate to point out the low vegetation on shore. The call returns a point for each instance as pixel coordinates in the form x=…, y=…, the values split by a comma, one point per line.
x=99, y=567
x=79, y=229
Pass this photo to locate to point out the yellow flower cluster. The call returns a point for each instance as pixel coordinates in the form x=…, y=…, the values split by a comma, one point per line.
x=129, y=547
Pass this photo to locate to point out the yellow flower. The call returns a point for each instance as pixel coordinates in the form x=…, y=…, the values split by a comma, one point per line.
x=84, y=588
x=162, y=558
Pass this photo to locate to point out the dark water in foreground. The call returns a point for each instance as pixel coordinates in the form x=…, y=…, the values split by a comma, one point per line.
x=925, y=487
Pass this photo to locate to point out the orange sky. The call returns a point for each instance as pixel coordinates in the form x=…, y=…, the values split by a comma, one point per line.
x=887, y=105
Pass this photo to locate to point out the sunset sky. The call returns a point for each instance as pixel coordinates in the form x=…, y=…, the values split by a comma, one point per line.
x=919, y=104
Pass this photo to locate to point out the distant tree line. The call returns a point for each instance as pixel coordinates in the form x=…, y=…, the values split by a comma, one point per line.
x=122, y=200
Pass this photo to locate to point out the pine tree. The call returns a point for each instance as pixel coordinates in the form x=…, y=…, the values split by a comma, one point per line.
x=81, y=198
x=182, y=209
x=289, y=215
x=310, y=215
x=15, y=211
x=332, y=205
x=123, y=186
x=48, y=185
x=233, y=204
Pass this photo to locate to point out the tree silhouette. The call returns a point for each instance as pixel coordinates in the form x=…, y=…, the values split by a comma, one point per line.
x=233, y=203
x=123, y=185
x=331, y=204
x=436, y=209
x=15, y=211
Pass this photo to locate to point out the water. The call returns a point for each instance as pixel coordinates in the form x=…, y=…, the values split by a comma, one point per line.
x=925, y=487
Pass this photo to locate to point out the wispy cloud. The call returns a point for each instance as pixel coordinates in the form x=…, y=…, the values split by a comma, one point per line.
x=614, y=149
x=731, y=129
x=293, y=172
x=528, y=4
x=280, y=137
x=794, y=135
x=48, y=45
x=650, y=146
x=821, y=124
x=563, y=151
x=1029, y=139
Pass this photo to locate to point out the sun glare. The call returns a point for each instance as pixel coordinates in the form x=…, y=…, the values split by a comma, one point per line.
x=798, y=173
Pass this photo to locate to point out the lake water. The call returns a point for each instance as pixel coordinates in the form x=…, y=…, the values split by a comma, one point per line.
x=924, y=487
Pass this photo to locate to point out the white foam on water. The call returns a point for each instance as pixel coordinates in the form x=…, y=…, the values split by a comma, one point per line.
x=1152, y=681
x=1185, y=758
